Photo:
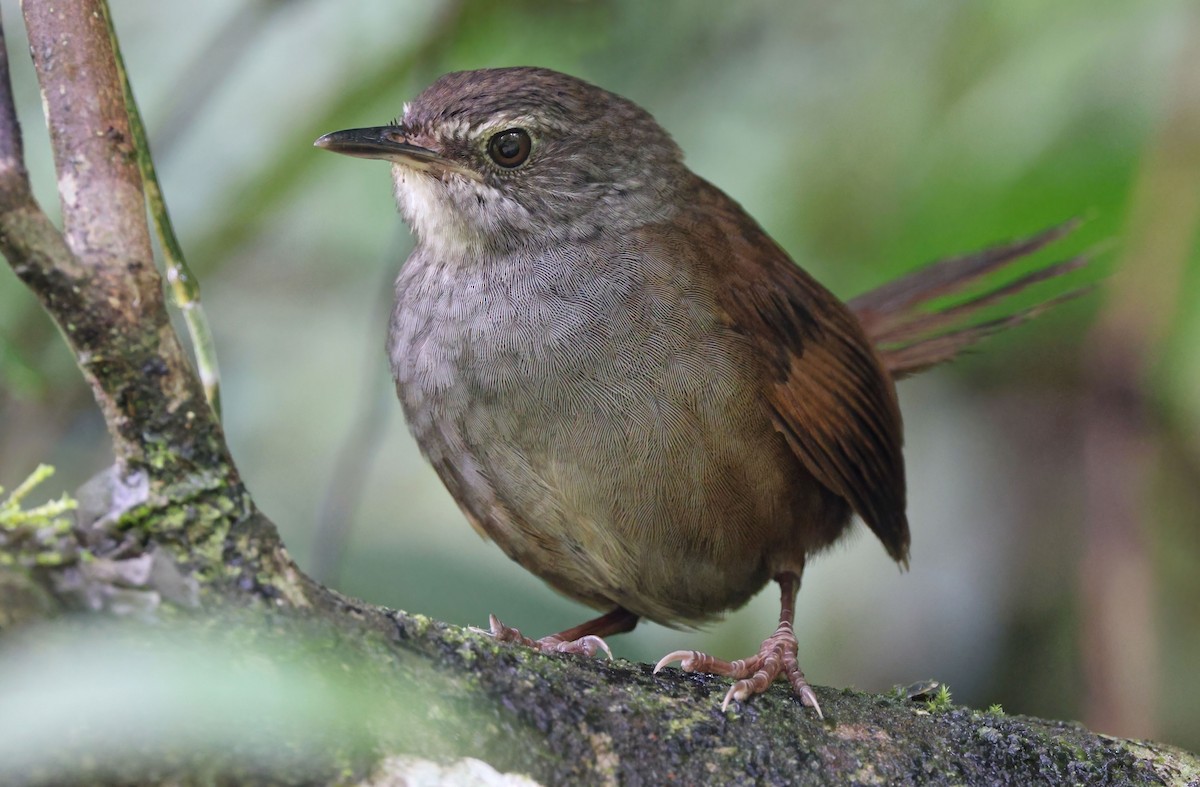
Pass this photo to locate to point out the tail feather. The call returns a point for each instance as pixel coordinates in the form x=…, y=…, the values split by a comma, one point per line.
x=906, y=360
x=925, y=323
x=912, y=335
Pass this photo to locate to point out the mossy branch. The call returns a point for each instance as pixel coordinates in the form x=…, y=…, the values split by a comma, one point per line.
x=97, y=277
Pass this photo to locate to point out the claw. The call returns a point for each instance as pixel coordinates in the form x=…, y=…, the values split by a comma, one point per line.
x=808, y=698
x=598, y=642
x=730, y=696
x=682, y=656
x=503, y=633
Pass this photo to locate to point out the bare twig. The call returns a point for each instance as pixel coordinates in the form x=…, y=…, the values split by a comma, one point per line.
x=185, y=287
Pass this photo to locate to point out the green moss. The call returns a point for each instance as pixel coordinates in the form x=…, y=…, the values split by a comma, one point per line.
x=40, y=536
x=193, y=519
x=158, y=454
x=940, y=701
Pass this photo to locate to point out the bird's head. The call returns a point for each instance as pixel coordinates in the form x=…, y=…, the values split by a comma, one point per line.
x=500, y=158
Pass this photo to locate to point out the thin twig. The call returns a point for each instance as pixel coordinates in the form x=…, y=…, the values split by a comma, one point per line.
x=185, y=287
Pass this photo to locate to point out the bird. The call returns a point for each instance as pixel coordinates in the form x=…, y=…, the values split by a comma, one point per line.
x=625, y=383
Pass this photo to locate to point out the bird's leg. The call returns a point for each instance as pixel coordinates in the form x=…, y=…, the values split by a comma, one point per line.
x=585, y=639
x=776, y=657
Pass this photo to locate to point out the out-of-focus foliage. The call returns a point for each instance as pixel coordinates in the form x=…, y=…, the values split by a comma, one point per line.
x=867, y=138
x=263, y=704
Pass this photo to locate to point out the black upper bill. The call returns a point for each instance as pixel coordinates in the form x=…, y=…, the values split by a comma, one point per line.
x=390, y=144
x=382, y=142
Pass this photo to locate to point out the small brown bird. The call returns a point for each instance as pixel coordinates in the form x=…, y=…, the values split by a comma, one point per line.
x=623, y=381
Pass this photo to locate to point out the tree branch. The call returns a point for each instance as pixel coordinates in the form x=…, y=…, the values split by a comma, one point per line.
x=100, y=285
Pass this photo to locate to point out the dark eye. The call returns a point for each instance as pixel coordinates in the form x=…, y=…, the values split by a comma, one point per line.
x=510, y=148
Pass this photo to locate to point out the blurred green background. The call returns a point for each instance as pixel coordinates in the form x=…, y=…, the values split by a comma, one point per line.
x=1054, y=476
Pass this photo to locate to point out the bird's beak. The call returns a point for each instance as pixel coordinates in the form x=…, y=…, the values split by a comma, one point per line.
x=389, y=143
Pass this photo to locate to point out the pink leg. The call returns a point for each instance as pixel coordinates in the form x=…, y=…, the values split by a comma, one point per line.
x=776, y=657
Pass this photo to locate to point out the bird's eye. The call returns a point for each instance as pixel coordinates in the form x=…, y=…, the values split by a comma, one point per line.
x=510, y=148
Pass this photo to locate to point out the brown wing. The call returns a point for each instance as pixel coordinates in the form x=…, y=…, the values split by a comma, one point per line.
x=827, y=390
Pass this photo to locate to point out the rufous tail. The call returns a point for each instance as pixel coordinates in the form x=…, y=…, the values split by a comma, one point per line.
x=912, y=333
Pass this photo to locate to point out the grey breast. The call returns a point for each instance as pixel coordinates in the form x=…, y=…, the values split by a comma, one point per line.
x=595, y=420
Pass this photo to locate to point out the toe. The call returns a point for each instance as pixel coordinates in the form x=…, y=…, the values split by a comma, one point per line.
x=584, y=646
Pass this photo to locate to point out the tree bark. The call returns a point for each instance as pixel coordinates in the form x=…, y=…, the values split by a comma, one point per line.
x=171, y=534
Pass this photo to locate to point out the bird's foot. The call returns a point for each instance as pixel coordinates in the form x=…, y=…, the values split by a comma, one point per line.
x=754, y=675
x=588, y=645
